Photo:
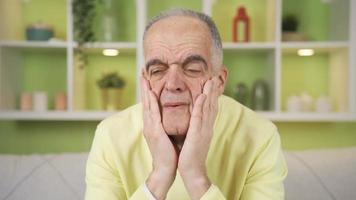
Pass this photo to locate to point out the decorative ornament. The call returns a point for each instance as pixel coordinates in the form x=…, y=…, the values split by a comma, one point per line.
x=241, y=20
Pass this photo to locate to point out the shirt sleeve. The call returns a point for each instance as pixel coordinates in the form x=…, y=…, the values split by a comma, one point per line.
x=102, y=179
x=266, y=176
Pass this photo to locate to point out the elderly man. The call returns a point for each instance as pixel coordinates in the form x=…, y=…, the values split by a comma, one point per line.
x=185, y=140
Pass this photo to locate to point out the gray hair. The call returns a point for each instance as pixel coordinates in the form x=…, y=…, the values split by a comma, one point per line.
x=217, y=52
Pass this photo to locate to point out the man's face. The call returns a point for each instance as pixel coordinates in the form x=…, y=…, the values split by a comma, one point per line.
x=178, y=63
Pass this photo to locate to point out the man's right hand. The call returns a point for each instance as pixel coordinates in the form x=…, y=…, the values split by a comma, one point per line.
x=164, y=155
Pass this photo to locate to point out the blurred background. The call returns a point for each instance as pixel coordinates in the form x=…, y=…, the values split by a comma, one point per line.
x=65, y=65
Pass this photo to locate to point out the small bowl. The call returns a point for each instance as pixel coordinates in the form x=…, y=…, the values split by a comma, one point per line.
x=39, y=32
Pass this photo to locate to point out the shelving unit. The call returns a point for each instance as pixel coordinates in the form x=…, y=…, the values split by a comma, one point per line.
x=56, y=115
x=247, y=46
x=309, y=117
x=266, y=56
x=110, y=45
x=26, y=44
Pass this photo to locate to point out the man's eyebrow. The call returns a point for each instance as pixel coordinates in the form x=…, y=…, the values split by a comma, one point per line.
x=154, y=61
x=192, y=58
x=187, y=60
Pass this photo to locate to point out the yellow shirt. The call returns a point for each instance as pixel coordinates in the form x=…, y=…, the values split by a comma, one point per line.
x=245, y=160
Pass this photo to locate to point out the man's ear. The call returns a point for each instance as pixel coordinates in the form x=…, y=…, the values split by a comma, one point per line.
x=222, y=75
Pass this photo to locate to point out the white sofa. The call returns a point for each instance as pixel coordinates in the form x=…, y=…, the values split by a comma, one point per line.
x=313, y=174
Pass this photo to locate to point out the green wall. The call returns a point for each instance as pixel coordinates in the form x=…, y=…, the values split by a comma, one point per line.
x=26, y=137
x=313, y=135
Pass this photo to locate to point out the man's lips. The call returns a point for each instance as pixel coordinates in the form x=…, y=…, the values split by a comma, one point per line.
x=174, y=104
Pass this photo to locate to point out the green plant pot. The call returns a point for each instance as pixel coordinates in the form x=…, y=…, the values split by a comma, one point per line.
x=111, y=99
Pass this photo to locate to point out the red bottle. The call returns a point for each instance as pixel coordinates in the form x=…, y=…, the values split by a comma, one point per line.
x=241, y=17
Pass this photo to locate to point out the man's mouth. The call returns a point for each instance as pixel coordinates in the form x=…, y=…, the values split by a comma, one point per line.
x=172, y=105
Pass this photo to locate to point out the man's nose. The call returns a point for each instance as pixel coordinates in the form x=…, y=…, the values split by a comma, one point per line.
x=175, y=81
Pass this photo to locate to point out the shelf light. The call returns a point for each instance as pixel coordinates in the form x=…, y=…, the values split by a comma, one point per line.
x=305, y=52
x=110, y=52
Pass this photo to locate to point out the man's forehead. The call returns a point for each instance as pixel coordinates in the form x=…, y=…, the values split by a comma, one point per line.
x=177, y=23
x=175, y=38
x=176, y=32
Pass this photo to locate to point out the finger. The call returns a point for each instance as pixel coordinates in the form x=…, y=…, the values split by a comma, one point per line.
x=196, y=119
x=144, y=95
x=215, y=92
x=198, y=106
x=148, y=90
x=207, y=91
x=207, y=87
x=154, y=106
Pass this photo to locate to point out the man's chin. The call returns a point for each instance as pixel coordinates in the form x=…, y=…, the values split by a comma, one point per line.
x=176, y=130
x=175, y=123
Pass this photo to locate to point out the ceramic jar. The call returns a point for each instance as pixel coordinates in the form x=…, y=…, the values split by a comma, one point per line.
x=260, y=95
x=241, y=93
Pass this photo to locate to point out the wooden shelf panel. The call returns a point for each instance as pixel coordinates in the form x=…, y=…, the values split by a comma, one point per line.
x=309, y=117
x=56, y=115
x=248, y=46
x=316, y=45
x=33, y=44
x=109, y=45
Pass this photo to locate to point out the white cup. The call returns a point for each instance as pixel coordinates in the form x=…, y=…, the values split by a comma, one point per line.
x=323, y=104
x=40, y=101
x=294, y=104
x=307, y=102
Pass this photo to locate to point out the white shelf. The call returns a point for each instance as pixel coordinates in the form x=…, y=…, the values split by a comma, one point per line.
x=56, y=115
x=109, y=45
x=33, y=44
x=63, y=44
x=309, y=117
x=248, y=46
x=315, y=45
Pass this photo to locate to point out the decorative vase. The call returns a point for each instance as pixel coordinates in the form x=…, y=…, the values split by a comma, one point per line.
x=60, y=101
x=241, y=26
x=260, y=95
x=111, y=98
x=241, y=93
x=109, y=23
x=26, y=101
x=293, y=36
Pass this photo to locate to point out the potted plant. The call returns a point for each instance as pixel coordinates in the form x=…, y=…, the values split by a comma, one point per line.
x=290, y=25
x=111, y=85
x=84, y=15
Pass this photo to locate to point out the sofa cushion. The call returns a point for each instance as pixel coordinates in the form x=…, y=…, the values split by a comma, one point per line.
x=52, y=177
x=321, y=174
x=313, y=174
